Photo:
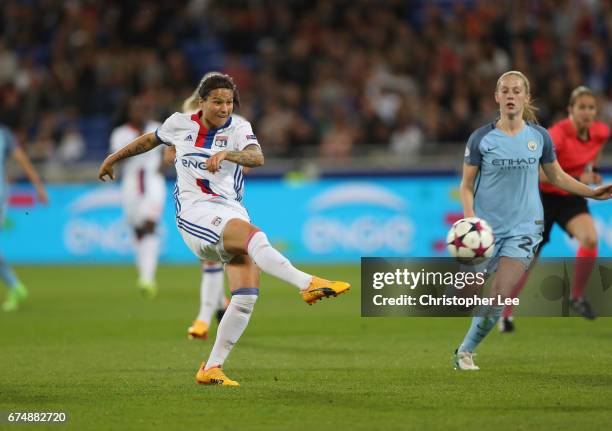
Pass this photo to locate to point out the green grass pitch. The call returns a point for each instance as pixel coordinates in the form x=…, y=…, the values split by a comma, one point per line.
x=86, y=343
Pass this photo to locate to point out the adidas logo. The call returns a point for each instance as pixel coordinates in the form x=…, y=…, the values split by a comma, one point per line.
x=189, y=138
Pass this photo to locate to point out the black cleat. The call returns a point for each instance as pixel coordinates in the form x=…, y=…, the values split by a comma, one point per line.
x=506, y=324
x=581, y=306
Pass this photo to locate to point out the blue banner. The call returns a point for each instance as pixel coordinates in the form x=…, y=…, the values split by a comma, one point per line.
x=309, y=221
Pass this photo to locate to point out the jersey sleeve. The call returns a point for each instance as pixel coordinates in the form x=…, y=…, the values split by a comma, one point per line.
x=548, y=151
x=557, y=136
x=244, y=137
x=116, y=141
x=473, y=156
x=166, y=133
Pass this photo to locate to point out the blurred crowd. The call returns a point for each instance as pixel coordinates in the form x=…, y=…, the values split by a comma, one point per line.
x=320, y=78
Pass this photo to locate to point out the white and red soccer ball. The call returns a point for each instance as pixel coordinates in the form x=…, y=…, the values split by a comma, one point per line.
x=470, y=240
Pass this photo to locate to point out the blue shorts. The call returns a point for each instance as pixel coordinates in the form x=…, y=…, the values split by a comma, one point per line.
x=521, y=247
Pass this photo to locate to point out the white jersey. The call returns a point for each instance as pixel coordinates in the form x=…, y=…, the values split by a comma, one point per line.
x=194, y=145
x=134, y=168
x=143, y=187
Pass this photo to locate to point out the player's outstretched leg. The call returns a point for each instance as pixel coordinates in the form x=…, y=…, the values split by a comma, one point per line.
x=16, y=290
x=210, y=288
x=320, y=288
x=267, y=258
x=241, y=237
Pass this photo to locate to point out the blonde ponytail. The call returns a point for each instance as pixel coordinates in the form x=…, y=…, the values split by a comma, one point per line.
x=191, y=103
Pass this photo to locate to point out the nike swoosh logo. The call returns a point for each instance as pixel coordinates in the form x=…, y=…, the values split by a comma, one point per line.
x=490, y=148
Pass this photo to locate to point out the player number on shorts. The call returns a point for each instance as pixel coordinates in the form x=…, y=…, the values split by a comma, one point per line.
x=527, y=244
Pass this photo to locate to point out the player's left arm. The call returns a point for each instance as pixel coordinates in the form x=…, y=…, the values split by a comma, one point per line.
x=592, y=170
x=140, y=145
x=591, y=174
x=251, y=157
x=22, y=158
x=561, y=179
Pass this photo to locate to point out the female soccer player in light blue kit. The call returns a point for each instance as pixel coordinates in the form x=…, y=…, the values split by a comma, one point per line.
x=8, y=147
x=500, y=185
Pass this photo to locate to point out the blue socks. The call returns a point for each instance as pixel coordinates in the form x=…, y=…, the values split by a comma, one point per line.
x=480, y=327
x=7, y=275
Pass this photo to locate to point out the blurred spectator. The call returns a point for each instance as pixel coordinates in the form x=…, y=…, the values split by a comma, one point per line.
x=71, y=146
x=326, y=77
x=274, y=128
x=407, y=139
x=8, y=63
x=339, y=139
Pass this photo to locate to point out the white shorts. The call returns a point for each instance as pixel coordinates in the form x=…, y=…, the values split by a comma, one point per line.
x=202, y=225
x=145, y=205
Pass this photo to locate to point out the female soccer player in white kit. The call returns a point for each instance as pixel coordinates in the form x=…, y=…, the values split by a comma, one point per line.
x=143, y=192
x=212, y=147
x=212, y=292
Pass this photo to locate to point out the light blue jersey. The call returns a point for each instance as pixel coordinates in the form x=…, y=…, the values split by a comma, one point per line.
x=506, y=191
x=7, y=145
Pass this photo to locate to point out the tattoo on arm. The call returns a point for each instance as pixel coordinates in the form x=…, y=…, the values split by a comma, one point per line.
x=140, y=145
x=250, y=157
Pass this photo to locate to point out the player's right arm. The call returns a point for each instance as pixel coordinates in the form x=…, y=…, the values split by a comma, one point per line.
x=471, y=166
x=250, y=157
x=22, y=158
x=246, y=151
x=169, y=155
x=140, y=145
x=466, y=189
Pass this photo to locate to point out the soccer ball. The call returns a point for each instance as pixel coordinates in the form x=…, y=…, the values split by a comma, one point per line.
x=470, y=240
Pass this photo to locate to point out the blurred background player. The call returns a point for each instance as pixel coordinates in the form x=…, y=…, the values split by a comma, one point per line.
x=507, y=195
x=143, y=190
x=212, y=289
x=17, y=292
x=210, y=216
x=578, y=140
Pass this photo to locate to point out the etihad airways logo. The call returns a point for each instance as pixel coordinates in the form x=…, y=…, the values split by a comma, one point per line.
x=518, y=163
